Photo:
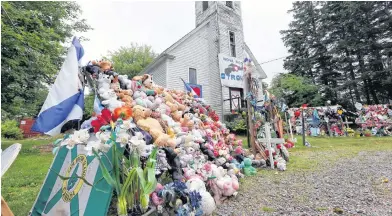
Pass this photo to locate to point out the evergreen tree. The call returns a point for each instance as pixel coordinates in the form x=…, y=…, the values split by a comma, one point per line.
x=344, y=47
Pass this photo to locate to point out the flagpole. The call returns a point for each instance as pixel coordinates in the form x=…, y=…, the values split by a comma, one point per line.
x=83, y=88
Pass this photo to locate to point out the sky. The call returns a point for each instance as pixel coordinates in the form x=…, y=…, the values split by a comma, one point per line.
x=162, y=23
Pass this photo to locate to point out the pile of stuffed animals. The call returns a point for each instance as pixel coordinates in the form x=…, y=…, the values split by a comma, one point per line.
x=203, y=159
x=377, y=118
x=315, y=119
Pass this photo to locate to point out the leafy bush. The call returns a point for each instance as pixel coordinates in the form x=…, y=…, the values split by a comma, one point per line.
x=237, y=125
x=10, y=130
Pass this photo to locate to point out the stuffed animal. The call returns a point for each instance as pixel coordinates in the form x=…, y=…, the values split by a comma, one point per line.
x=156, y=200
x=105, y=65
x=145, y=122
x=126, y=97
x=190, y=174
x=175, y=164
x=207, y=202
x=115, y=85
x=141, y=99
x=125, y=83
x=162, y=163
x=228, y=184
x=112, y=103
x=248, y=169
x=280, y=163
x=103, y=83
x=217, y=173
x=176, y=115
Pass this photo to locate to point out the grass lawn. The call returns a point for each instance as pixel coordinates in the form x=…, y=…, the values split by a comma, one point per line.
x=22, y=182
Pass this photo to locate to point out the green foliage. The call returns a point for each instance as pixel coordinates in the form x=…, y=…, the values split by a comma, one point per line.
x=32, y=39
x=296, y=90
x=131, y=60
x=88, y=106
x=10, y=130
x=238, y=124
x=344, y=48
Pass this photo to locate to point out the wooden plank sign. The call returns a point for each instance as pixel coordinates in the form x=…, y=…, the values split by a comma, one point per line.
x=73, y=196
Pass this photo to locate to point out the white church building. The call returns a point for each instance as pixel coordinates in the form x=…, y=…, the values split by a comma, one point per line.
x=199, y=57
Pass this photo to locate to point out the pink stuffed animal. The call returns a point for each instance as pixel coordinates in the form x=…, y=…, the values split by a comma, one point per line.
x=154, y=196
x=190, y=174
x=227, y=184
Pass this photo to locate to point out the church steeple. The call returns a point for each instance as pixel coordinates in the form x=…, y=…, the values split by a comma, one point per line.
x=204, y=9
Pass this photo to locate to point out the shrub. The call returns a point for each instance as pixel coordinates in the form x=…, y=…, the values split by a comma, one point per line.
x=10, y=130
x=238, y=124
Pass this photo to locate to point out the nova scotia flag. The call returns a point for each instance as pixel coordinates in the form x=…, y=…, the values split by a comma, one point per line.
x=65, y=100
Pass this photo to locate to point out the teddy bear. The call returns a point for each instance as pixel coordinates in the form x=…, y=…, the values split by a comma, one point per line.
x=141, y=99
x=105, y=65
x=173, y=107
x=112, y=103
x=175, y=126
x=108, y=94
x=128, y=101
x=109, y=100
x=163, y=108
x=207, y=201
x=248, y=169
x=156, y=102
x=126, y=97
x=103, y=83
x=147, y=83
x=158, y=89
x=162, y=163
x=142, y=119
x=126, y=83
x=175, y=164
x=212, y=182
x=176, y=115
x=228, y=184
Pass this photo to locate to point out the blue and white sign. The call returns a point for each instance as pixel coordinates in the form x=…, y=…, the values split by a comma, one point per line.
x=231, y=71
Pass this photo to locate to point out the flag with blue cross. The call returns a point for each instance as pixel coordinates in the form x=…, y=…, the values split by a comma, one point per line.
x=74, y=185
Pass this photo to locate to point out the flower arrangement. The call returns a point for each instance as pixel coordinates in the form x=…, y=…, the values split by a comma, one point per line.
x=132, y=183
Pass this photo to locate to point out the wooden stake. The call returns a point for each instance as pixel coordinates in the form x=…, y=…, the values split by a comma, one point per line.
x=250, y=114
x=5, y=210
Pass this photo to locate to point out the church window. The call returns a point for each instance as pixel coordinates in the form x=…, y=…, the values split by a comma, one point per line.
x=192, y=76
x=229, y=4
x=205, y=5
x=236, y=95
x=232, y=44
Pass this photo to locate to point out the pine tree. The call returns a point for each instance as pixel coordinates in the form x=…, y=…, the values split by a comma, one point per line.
x=344, y=48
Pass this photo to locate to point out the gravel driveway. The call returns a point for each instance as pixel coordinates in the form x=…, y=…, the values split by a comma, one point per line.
x=355, y=186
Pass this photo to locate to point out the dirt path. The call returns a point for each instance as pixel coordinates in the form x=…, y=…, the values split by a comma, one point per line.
x=358, y=186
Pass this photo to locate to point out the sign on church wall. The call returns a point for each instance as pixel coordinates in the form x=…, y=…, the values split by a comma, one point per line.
x=231, y=71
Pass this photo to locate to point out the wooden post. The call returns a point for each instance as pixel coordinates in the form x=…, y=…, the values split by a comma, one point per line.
x=249, y=115
x=5, y=210
x=303, y=126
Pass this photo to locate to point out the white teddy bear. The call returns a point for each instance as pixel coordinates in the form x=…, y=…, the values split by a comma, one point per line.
x=109, y=100
x=207, y=201
x=103, y=83
x=112, y=104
